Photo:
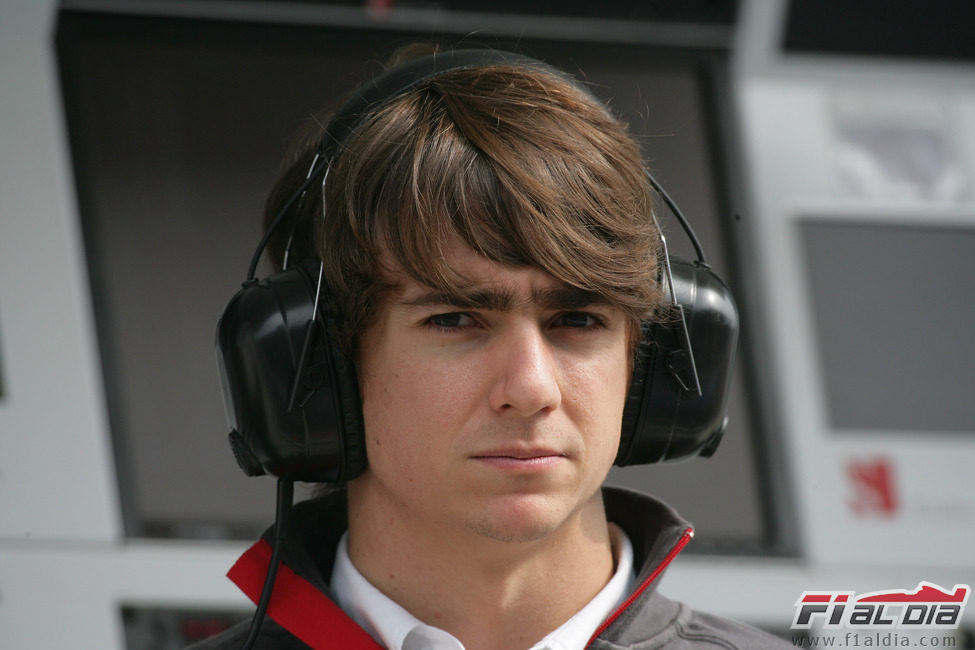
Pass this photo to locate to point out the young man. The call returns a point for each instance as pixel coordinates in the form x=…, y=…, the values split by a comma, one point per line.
x=488, y=242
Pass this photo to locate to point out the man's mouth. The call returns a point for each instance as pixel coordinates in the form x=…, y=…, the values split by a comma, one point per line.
x=520, y=459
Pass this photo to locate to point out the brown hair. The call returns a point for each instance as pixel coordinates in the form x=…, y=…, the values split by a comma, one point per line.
x=519, y=162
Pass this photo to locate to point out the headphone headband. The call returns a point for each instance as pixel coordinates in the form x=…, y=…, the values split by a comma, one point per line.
x=379, y=91
x=400, y=79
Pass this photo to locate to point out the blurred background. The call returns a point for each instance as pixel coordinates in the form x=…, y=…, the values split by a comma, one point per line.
x=824, y=153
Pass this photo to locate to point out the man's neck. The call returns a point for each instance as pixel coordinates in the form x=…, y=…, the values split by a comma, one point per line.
x=478, y=588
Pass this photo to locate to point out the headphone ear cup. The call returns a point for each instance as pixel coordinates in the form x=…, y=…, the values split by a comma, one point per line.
x=306, y=428
x=664, y=417
x=345, y=392
x=633, y=415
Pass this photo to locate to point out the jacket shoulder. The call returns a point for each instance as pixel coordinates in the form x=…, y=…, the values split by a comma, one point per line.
x=664, y=624
x=701, y=630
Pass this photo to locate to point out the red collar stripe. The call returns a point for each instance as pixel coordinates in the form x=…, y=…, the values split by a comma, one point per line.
x=297, y=605
x=678, y=547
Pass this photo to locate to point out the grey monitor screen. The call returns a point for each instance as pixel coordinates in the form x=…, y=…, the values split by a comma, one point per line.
x=894, y=312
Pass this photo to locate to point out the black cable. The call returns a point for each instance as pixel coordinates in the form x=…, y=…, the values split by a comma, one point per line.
x=279, y=217
x=282, y=515
x=698, y=250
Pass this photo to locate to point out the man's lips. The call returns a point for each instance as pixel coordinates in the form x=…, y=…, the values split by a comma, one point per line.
x=518, y=453
x=520, y=459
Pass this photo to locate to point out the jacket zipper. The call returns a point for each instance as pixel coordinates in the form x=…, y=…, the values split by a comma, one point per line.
x=674, y=552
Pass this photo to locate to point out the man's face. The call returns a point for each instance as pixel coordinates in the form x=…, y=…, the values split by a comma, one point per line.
x=496, y=411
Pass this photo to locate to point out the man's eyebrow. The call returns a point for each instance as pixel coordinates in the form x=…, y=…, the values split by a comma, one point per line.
x=563, y=298
x=566, y=298
x=494, y=299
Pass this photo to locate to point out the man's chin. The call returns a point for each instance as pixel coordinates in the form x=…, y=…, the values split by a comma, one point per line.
x=522, y=518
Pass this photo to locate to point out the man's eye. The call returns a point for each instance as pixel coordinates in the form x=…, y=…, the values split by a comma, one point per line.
x=578, y=319
x=453, y=320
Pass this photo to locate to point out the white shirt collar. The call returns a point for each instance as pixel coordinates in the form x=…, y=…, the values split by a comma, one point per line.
x=397, y=629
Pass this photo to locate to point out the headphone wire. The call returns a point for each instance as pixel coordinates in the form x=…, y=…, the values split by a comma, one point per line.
x=684, y=224
x=282, y=516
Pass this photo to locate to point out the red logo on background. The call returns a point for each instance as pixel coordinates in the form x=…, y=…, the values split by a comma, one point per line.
x=874, y=491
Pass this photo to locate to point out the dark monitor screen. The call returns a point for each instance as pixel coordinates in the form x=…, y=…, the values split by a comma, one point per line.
x=880, y=29
x=177, y=128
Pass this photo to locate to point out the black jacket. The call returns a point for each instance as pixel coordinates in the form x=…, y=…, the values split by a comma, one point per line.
x=303, y=615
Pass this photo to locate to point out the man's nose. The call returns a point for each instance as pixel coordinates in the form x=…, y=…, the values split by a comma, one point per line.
x=526, y=372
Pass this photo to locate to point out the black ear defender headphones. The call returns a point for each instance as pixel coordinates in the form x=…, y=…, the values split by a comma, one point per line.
x=292, y=395
x=291, y=392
